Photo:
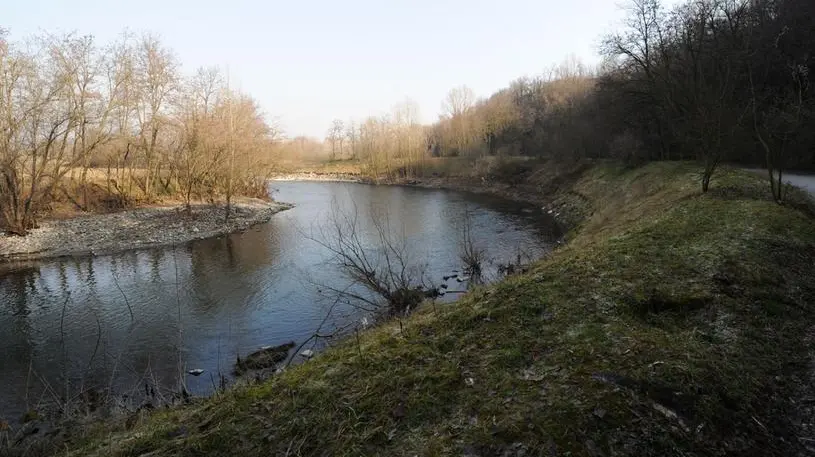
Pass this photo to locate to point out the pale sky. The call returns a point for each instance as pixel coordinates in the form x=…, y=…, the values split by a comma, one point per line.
x=308, y=62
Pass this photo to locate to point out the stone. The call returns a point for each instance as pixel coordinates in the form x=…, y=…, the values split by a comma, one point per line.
x=264, y=358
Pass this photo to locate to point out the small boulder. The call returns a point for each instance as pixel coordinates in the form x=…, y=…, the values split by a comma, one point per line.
x=266, y=357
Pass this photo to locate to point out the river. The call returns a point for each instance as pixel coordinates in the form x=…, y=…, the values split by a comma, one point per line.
x=66, y=324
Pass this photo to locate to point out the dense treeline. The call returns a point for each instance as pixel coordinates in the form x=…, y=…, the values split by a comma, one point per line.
x=716, y=80
x=711, y=80
x=110, y=125
x=390, y=144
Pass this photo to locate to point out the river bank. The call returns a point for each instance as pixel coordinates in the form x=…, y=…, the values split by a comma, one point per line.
x=672, y=323
x=98, y=234
x=320, y=177
x=548, y=186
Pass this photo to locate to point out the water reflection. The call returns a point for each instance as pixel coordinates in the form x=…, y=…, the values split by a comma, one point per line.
x=66, y=323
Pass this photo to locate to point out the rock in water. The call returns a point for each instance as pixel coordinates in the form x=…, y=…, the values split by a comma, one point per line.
x=196, y=372
x=266, y=357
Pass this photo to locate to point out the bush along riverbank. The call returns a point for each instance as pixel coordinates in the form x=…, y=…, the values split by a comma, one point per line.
x=672, y=323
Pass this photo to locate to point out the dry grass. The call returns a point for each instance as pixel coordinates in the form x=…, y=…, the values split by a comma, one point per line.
x=100, y=195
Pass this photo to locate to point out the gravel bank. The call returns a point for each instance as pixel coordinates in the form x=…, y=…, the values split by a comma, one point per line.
x=311, y=176
x=135, y=229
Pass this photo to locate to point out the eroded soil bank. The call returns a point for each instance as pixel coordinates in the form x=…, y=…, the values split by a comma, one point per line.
x=550, y=187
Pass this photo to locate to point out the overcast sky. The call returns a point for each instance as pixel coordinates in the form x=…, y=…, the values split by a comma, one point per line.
x=308, y=62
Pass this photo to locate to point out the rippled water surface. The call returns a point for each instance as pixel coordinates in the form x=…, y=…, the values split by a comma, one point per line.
x=66, y=324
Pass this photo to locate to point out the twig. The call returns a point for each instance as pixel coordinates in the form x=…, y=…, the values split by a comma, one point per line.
x=50, y=390
x=28, y=381
x=62, y=343
x=95, y=350
x=316, y=332
x=759, y=423
x=181, y=382
x=118, y=358
x=98, y=341
x=116, y=283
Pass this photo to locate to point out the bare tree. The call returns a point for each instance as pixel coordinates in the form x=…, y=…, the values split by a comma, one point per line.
x=41, y=124
x=120, y=73
x=352, y=134
x=777, y=125
x=456, y=108
x=199, y=149
x=67, y=105
x=382, y=275
x=471, y=255
x=336, y=135
x=157, y=80
x=458, y=101
x=407, y=136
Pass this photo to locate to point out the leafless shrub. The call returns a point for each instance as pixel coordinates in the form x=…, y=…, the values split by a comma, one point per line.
x=382, y=276
x=471, y=255
x=517, y=265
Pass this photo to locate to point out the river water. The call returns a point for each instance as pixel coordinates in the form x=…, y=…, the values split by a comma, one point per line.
x=66, y=324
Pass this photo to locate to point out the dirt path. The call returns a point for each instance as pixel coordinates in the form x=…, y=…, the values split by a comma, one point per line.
x=135, y=229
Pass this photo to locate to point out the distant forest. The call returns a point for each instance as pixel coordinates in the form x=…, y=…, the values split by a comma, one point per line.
x=108, y=126
x=709, y=80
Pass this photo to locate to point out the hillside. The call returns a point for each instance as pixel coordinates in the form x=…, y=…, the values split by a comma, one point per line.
x=671, y=323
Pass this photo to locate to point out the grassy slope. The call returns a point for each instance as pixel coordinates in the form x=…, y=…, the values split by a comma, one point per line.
x=673, y=323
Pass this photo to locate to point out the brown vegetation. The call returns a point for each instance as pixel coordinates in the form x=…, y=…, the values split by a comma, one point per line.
x=71, y=109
